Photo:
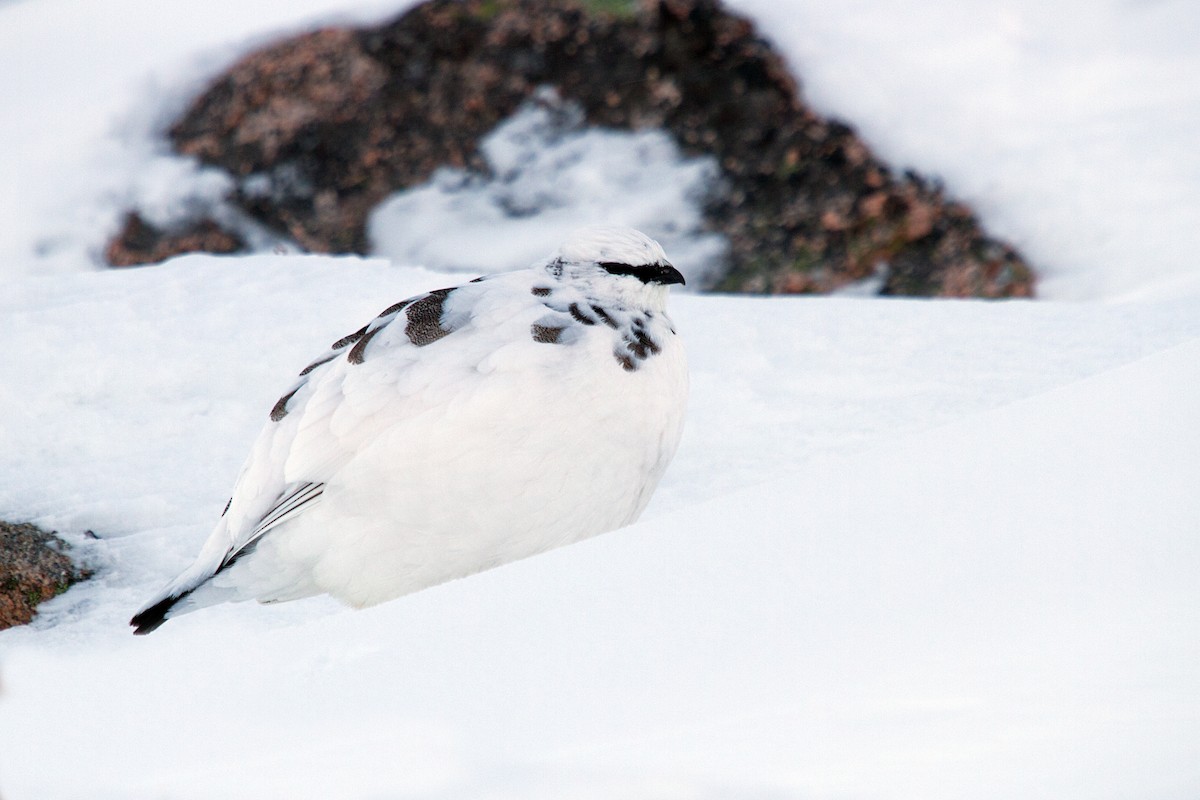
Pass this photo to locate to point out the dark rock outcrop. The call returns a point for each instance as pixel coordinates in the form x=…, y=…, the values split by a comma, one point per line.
x=139, y=242
x=319, y=129
x=33, y=569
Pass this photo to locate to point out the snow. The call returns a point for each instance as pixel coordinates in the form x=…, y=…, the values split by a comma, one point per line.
x=907, y=549
x=547, y=176
x=827, y=597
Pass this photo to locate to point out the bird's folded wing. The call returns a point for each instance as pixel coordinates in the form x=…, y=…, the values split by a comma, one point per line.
x=372, y=380
x=295, y=499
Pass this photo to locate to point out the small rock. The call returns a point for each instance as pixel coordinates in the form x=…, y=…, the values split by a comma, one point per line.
x=33, y=569
x=139, y=242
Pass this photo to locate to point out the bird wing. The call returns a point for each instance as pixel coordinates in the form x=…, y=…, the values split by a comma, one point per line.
x=402, y=364
x=413, y=358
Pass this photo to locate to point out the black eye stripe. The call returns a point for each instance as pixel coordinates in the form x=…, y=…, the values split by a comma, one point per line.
x=642, y=271
x=646, y=273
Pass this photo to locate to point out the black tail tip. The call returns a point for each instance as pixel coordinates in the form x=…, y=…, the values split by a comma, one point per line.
x=150, y=619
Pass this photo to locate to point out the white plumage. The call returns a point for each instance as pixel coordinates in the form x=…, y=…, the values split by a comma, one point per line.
x=457, y=431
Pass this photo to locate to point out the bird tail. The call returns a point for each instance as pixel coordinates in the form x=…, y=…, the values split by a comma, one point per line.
x=155, y=614
x=166, y=604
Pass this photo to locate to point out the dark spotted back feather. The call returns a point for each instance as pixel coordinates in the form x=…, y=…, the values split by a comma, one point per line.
x=423, y=327
x=424, y=324
x=425, y=318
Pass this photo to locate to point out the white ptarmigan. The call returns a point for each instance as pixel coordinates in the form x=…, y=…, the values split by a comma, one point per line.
x=459, y=430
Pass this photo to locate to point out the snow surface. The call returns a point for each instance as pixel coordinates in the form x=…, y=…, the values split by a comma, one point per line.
x=907, y=549
x=816, y=604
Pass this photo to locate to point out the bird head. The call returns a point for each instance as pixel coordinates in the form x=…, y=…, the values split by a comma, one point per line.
x=622, y=261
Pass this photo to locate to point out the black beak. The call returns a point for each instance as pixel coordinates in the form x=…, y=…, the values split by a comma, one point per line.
x=666, y=274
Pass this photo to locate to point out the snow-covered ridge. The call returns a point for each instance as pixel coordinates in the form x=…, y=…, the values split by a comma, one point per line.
x=809, y=575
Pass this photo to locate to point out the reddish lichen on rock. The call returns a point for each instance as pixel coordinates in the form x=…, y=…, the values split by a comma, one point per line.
x=33, y=569
x=138, y=242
